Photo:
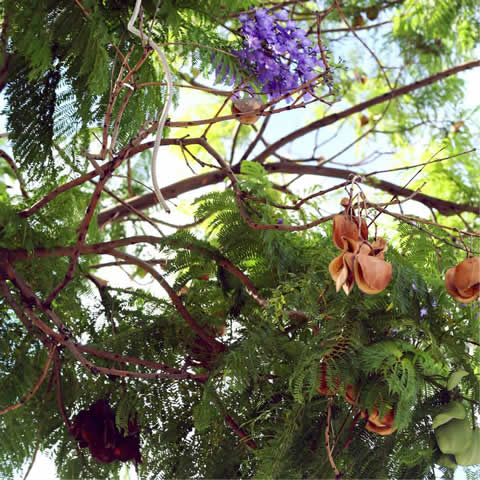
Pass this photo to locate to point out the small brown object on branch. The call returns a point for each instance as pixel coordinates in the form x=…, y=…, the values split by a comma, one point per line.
x=457, y=126
x=358, y=21
x=246, y=105
x=363, y=120
x=372, y=12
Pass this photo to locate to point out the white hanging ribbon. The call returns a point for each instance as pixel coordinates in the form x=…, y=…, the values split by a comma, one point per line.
x=163, y=116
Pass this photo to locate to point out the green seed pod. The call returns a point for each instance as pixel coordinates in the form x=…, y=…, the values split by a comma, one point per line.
x=447, y=461
x=452, y=410
x=454, y=436
x=470, y=456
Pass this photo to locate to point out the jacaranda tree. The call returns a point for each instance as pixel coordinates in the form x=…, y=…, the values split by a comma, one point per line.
x=317, y=316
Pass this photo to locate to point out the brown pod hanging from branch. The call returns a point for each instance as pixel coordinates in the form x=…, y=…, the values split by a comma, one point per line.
x=463, y=281
x=247, y=105
x=363, y=263
x=372, y=274
x=345, y=225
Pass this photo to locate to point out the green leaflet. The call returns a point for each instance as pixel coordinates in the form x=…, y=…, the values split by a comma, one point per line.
x=455, y=378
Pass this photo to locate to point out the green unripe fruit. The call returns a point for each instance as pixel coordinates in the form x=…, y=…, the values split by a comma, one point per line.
x=452, y=410
x=447, y=461
x=470, y=456
x=454, y=437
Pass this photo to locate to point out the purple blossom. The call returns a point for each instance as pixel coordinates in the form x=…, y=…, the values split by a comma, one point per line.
x=280, y=221
x=291, y=25
x=414, y=287
x=434, y=303
x=423, y=312
x=282, y=15
x=280, y=57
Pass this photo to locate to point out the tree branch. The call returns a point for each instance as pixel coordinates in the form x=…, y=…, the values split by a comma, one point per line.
x=14, y=167
x=398, y=92
x=142, y=202
x=176, y=300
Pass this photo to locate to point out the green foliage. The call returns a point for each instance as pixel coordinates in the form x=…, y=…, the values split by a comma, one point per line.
x=396, y=350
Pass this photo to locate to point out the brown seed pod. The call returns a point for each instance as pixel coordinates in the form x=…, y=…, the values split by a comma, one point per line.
x=463, y=281
x=246, y=105
x=363, y=263
x=341, y=274
x=372, y=274
x=386, y=421
x=372, y=12
x=382, y=426
x=350, y=227
x=358, y=21
x=371, y=427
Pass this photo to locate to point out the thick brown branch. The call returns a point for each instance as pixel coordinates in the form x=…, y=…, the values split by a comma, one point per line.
x=108, y=247
x=398, y=92
x=445, y=207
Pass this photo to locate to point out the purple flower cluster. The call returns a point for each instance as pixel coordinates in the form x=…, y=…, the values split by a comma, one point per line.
x=281, y=57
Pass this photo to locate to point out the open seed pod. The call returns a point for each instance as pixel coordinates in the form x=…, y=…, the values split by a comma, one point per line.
x=463, y=281
x=341, y=273
x=386, y=421
x=244, y=105
x=348, y=226
x=363, y=263
x=372, y=274
x=382, y=426
x=341, y=267
x=381, y=430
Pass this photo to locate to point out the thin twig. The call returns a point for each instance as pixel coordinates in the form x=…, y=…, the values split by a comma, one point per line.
x=35, y=388
x=32, y=461
x=17, y=173
x=327, y=441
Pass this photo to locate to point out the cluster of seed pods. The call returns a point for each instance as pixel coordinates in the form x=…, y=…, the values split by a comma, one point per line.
x=360, y=262
x=95, y=428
